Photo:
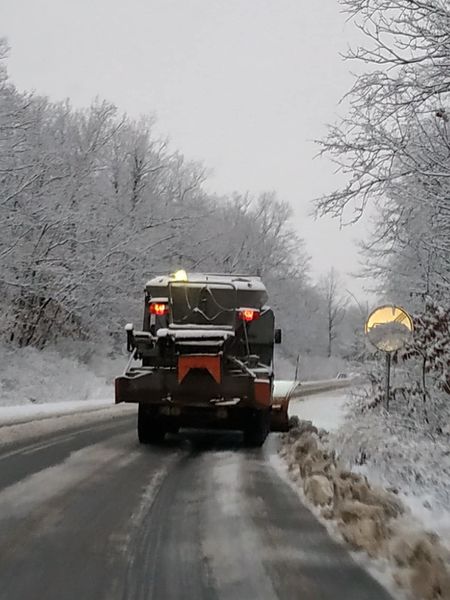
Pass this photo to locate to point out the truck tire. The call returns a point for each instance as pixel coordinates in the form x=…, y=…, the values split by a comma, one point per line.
x=257, y=428
x=150, y=429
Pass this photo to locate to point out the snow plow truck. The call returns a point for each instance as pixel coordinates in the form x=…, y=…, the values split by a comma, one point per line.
x=206, y=358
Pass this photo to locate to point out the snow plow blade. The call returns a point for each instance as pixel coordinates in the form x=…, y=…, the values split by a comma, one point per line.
x=279, y=418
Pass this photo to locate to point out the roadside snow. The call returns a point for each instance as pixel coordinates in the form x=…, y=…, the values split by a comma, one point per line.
x=33, y=377
x=326, y=410
x=34, y=412
x=435, y=519
x=378, y=568
x=418, y=470
x=390, y=455
x=46, y=391
x=12, y=431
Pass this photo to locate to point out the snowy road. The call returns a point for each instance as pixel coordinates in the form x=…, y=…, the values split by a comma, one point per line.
x=89, y=514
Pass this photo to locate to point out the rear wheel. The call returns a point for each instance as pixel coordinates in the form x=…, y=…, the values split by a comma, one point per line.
x=150, y=429
x=257, y=428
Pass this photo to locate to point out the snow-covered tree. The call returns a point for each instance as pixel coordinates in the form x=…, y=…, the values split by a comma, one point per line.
x=92, y=203
x=334, y=307
x=394, y=148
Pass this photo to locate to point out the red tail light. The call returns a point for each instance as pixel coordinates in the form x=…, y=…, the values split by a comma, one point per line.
x=249, y=314
x=159, y=309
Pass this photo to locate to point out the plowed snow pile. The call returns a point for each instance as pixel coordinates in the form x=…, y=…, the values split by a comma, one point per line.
x=369, y=517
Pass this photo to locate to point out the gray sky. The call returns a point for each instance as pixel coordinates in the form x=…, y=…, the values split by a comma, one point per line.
x=243, y=85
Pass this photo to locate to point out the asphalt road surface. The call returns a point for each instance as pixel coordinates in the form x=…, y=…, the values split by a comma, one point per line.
x=89, y=514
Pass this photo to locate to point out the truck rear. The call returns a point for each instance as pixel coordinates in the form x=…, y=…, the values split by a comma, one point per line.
x=206, y=358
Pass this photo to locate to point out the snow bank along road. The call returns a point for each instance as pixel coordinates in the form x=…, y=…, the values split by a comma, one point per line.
x=86, y=513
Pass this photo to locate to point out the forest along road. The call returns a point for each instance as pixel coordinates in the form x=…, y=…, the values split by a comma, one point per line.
x=89, y=514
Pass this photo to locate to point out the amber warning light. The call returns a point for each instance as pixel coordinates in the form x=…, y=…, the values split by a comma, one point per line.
x=248, y=314
x=159, y=308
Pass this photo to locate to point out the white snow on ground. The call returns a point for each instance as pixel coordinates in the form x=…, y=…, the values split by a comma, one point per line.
x=435, y=519
x=57, y=422
x=326, y=410
x=29, y=376
x=32, y=412
x=417, y=469
x=329, y=410
x=426, y=509
x=43, y=391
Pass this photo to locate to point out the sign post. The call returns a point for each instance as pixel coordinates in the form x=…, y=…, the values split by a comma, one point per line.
x=388, y=379
x=388, y=328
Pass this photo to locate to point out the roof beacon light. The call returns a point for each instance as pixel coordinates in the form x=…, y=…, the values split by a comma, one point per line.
x=180, y=275
x=159, y=308
x=249, y=314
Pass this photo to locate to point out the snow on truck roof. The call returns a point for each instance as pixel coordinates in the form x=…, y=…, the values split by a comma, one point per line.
x=240, y=282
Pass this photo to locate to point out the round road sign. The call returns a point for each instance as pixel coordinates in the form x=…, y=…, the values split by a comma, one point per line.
x=389, y=327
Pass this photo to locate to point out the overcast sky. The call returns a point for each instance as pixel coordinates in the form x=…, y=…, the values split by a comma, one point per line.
x=243, y=85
